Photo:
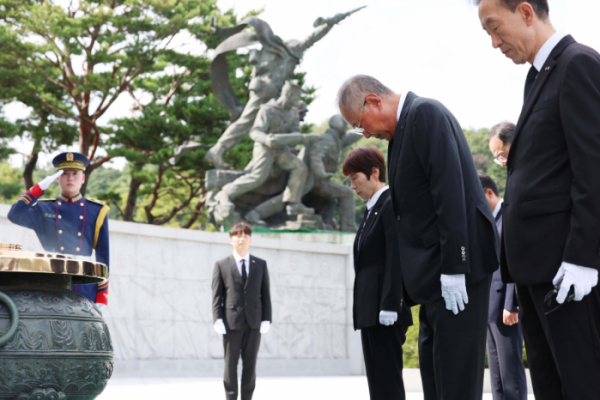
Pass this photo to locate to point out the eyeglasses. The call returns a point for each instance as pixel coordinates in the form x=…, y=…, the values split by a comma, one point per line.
x=358, y=130
x=500, y=159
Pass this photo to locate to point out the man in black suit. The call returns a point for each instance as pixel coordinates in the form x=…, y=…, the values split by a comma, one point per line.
x=447, y=236
x=505, y=337
x=551, y=208
x=241, y=310
x=379, y=310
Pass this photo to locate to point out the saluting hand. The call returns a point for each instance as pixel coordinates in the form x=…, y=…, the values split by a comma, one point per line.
x=47, y=181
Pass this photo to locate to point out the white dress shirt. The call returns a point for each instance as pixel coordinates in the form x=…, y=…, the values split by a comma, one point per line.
x=373, y=200
x=546, y=49
x=497, y=208
x=400, y=105
x=238, y=262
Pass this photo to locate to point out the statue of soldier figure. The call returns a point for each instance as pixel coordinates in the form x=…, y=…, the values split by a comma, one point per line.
x=322, y=158
x=277, y=125
x=273, y=64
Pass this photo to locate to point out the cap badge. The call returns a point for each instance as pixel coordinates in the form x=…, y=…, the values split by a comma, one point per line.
x=69, y=156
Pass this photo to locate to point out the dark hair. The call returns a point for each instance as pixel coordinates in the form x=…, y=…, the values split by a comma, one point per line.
x=488, y=183
x=364, y=159
x=541, y=7
x=504, y=130
x=240, y=229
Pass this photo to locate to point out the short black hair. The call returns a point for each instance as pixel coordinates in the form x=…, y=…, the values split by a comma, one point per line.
x=504, y=130
x=240, y=229
x=488, y=183
x=541, y=7
x=364, y=159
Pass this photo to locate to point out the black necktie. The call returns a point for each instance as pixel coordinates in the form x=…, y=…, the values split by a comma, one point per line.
x=244, y=275
x=530, y=80
x=499, y=215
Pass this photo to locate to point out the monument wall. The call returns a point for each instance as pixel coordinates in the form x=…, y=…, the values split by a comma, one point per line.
x=160, y=315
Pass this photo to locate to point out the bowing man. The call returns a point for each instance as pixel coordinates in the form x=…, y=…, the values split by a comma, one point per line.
x=379, y=310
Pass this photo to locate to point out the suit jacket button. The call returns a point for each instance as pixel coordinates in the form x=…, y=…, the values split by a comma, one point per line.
x=81, y=217
x=60, y=217
x=398, y=218
x=510, y=171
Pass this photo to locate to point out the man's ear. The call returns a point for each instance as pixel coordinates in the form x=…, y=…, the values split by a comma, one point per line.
x=489, y=193
x=373, y=100
x=527, y=12
x=83, y=178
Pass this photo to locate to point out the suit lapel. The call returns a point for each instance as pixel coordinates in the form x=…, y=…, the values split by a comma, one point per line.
x=235, y=272
x=396, y=145
x=539, y=84
x=373, y=217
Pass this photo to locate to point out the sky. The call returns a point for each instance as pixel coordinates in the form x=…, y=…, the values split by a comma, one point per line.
x=435, y=48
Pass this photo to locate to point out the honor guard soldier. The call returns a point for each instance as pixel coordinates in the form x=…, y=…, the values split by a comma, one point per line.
x=70, y=223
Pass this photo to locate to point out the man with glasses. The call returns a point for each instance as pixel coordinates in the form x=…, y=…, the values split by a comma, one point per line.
x=551, y=238
x=447, y=235
x=499, y=139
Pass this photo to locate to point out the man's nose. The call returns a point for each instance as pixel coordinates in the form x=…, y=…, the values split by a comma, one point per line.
x=496, y=41
x=366, y=134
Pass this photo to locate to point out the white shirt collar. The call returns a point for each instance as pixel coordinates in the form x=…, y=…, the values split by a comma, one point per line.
x=498, y=207
x=373, y=200
x=400, y=105
x=544, y=52
x=239, y=258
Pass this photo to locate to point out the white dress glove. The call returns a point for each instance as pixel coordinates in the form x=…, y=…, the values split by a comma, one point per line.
x=265, y=326
x=101, y=306
x=219, y=327
x=583, y=279
x=388, y=318
x=454, y=292
x=47, y=181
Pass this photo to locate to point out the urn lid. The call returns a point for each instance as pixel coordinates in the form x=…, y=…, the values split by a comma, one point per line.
x=81, y=270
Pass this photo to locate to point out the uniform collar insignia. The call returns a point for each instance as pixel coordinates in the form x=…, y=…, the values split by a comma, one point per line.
x=72, y=199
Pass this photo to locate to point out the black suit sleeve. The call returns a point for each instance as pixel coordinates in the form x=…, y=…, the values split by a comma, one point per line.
x=579, y=113
x=265, y=296
x=218, y=291
x=509, y=299
x=438, y=154
x=392, y=280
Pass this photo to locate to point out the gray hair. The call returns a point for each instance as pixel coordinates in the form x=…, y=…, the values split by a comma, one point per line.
x=504, y=131
x=353, y=92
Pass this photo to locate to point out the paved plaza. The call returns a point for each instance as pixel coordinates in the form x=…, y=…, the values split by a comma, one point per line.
x=267, y=388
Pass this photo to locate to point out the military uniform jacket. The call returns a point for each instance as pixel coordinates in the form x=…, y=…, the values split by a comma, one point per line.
x=65, y=225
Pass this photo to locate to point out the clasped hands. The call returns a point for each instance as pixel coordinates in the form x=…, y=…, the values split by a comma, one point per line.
x=219, y=327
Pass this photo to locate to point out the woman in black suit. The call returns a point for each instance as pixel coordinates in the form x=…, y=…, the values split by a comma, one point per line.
x=379, y=311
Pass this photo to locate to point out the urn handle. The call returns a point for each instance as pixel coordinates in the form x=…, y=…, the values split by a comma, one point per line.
x=14, y=314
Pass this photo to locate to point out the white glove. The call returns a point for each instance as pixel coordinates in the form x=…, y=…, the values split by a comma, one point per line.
x=265, y=326
x=101, y=306
x=583, y=279
x=47, y=181
x=388, y=318
x=219, y=327
x=454, y=292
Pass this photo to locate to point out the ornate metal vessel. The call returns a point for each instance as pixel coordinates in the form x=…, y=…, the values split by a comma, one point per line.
x=54, y=344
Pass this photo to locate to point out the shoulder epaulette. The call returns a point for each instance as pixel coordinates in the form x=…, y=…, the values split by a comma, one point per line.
x=96, y=201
